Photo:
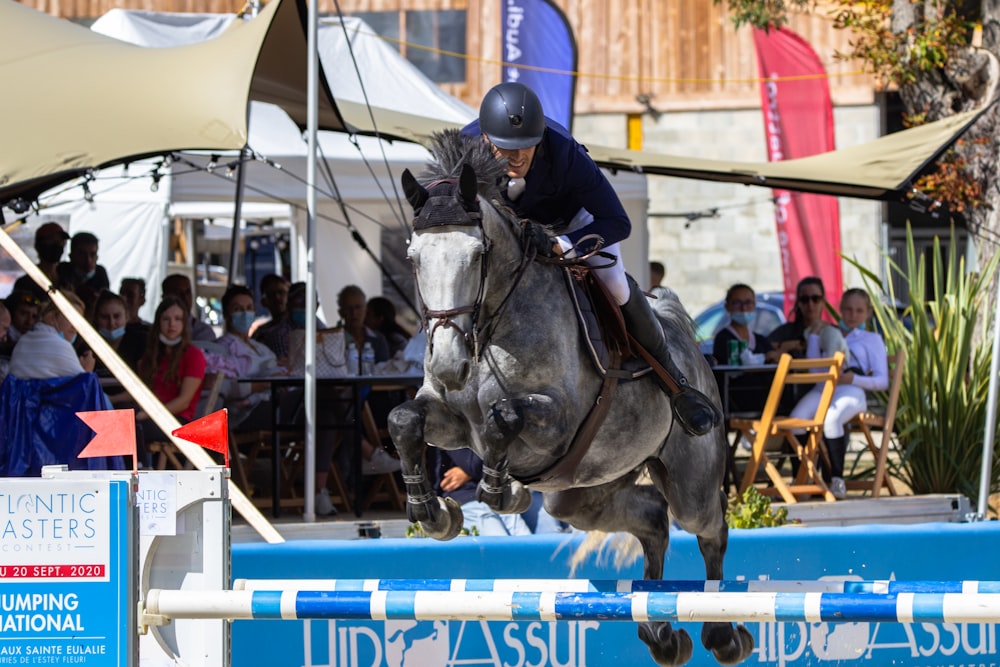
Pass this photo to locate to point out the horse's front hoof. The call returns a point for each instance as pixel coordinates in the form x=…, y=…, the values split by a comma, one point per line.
x=448, y=522
x=668, y=647
x=730, y=645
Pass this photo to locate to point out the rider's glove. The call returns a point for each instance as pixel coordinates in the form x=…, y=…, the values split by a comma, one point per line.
x=536, y=237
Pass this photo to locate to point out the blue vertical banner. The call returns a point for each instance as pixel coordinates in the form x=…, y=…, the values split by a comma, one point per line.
x=540, y=52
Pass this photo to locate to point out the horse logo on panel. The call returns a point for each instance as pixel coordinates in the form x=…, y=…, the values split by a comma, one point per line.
x=427, y=639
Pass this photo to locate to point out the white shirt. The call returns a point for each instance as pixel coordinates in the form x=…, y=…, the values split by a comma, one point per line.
x=43, y=353
x=867, y=352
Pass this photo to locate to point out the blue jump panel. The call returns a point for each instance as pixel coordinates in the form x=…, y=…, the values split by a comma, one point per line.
x=916, y=552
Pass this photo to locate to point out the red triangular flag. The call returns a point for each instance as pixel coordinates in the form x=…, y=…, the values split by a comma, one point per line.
x=114, y=433
x=211, y=432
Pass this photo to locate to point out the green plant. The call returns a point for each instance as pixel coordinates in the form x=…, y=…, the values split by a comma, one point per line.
x=943, y=397
x=752, y=510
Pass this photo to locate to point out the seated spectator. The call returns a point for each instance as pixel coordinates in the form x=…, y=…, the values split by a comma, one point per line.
x=133, y=292
x=278, y=336
x=23, y=309
x=455, y=474
x=82, y=273
x=110, y=320
x=50, y=244
x=249, y=405
x=274, y=297
x=352, y=307
x=4, y=322
x=172, y=367
x=806, y=334
x=47, y=350
x=866, y=368
x=178, y=285
x=380, y=316
x=741, y=306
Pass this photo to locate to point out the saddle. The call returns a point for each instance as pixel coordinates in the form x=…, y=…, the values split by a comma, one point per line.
x=609, y=346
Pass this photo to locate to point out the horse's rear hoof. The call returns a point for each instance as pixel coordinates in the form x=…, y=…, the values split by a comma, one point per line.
x=730, y=645
x=668, y=647
x=448, y=523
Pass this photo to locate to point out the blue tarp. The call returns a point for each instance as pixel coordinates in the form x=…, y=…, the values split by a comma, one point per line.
x=39, y=426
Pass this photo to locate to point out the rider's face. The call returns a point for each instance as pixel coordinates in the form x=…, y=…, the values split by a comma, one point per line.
x=518, y=160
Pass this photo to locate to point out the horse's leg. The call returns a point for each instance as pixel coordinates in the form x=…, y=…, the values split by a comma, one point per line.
x=701, y=509
x=507, y=419
x=642, y=511
x=440, y=518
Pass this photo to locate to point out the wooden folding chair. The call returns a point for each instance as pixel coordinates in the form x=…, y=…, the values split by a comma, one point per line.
x=868, y=420
x=166, y=454
x=771, y=427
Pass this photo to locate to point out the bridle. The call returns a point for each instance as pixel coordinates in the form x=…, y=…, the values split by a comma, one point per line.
x=460, y=211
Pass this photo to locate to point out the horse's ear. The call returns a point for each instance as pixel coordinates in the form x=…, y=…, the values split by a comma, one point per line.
x=467, y=186
x=415, y=193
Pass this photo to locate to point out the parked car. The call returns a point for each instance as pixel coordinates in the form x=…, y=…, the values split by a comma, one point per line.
x=770, y=314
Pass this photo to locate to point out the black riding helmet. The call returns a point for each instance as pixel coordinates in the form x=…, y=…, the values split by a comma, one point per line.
x=511, y=116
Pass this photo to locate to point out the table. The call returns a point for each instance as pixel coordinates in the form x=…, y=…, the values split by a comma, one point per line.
x=725, y=374
x=357, y=384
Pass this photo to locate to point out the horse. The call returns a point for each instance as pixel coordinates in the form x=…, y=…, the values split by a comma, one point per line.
x=505, y=374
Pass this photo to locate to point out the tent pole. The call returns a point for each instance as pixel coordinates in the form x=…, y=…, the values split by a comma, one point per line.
x=989, y=430
x=312, y=125
x=234, y=239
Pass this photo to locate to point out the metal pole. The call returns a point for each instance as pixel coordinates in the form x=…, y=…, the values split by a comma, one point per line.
x=312, y=124
x=234, y=239
x=989, y=431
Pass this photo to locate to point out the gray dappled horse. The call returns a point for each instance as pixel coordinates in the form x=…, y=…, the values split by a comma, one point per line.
x=505, y=374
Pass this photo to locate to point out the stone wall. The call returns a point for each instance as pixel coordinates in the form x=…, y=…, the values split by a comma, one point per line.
x=706, y=255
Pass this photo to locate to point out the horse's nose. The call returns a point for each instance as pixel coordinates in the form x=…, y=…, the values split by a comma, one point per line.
x=455, y=376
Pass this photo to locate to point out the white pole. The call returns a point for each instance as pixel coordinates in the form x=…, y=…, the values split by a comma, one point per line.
x=312, y=123
x=989, y=431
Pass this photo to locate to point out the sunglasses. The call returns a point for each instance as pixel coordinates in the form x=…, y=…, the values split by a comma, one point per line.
x=815, y=298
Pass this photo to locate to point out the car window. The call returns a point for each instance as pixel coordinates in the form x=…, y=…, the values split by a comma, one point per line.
x=766, y=320
x=709, y=322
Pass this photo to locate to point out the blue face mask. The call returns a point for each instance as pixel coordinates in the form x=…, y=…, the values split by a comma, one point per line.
x=63, y=336
x=242, y=321
x=299, y=317
x=847, y=329
x=112, y=334
x=742, y=317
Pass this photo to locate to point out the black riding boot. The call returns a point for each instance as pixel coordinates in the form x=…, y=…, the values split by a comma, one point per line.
x=692, y=409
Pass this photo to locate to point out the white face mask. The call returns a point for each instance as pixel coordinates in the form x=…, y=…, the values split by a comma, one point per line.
x=170, y=342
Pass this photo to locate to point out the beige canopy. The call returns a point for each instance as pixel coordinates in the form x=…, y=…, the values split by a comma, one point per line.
x=76, y=101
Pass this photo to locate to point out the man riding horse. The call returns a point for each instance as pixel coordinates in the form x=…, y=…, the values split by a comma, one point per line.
x=552, y=180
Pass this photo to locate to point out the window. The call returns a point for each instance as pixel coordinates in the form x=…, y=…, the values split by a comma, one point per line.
x=428, y=38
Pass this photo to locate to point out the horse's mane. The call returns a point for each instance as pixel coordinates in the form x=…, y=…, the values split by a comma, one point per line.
x=451, y=149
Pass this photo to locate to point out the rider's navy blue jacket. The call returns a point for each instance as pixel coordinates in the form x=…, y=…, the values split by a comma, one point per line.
x=563, y=179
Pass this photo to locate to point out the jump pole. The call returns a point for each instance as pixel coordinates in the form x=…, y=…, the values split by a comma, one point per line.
x=163, y=605
x=880, y=586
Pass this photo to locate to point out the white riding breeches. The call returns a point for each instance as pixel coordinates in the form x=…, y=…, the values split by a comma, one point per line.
x=613, y=277
x=848, y=401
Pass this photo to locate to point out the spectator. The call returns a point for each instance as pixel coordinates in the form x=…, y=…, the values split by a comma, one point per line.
x=455, y=474
x=4, y=323
x=47, y=350
x=172, y=367
x=380, y=316
x=82, y=273
x=275, y=334
x=179, y=285
x=133, y=293
x=50, y=244
x=110, y=319
x=866, y=369
x=352, y=307
x=274, y=297
x=741, y=306
x=660, y=293
x=23, y=309
x=249, y=405
x=806, y=334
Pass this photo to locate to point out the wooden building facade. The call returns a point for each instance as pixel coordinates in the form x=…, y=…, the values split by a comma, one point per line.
x=683, y=54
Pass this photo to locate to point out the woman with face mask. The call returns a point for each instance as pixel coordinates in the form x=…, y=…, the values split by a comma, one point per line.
x=248, y=404
x=47, y=350
x=172, y=367
x=741, y=306
x=110, y=320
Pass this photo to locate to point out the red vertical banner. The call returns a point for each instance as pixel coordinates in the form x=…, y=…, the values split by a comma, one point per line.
x=798, y=122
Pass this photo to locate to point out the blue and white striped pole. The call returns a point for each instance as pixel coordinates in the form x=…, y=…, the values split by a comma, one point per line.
x=881, y=586
x=383, y=605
